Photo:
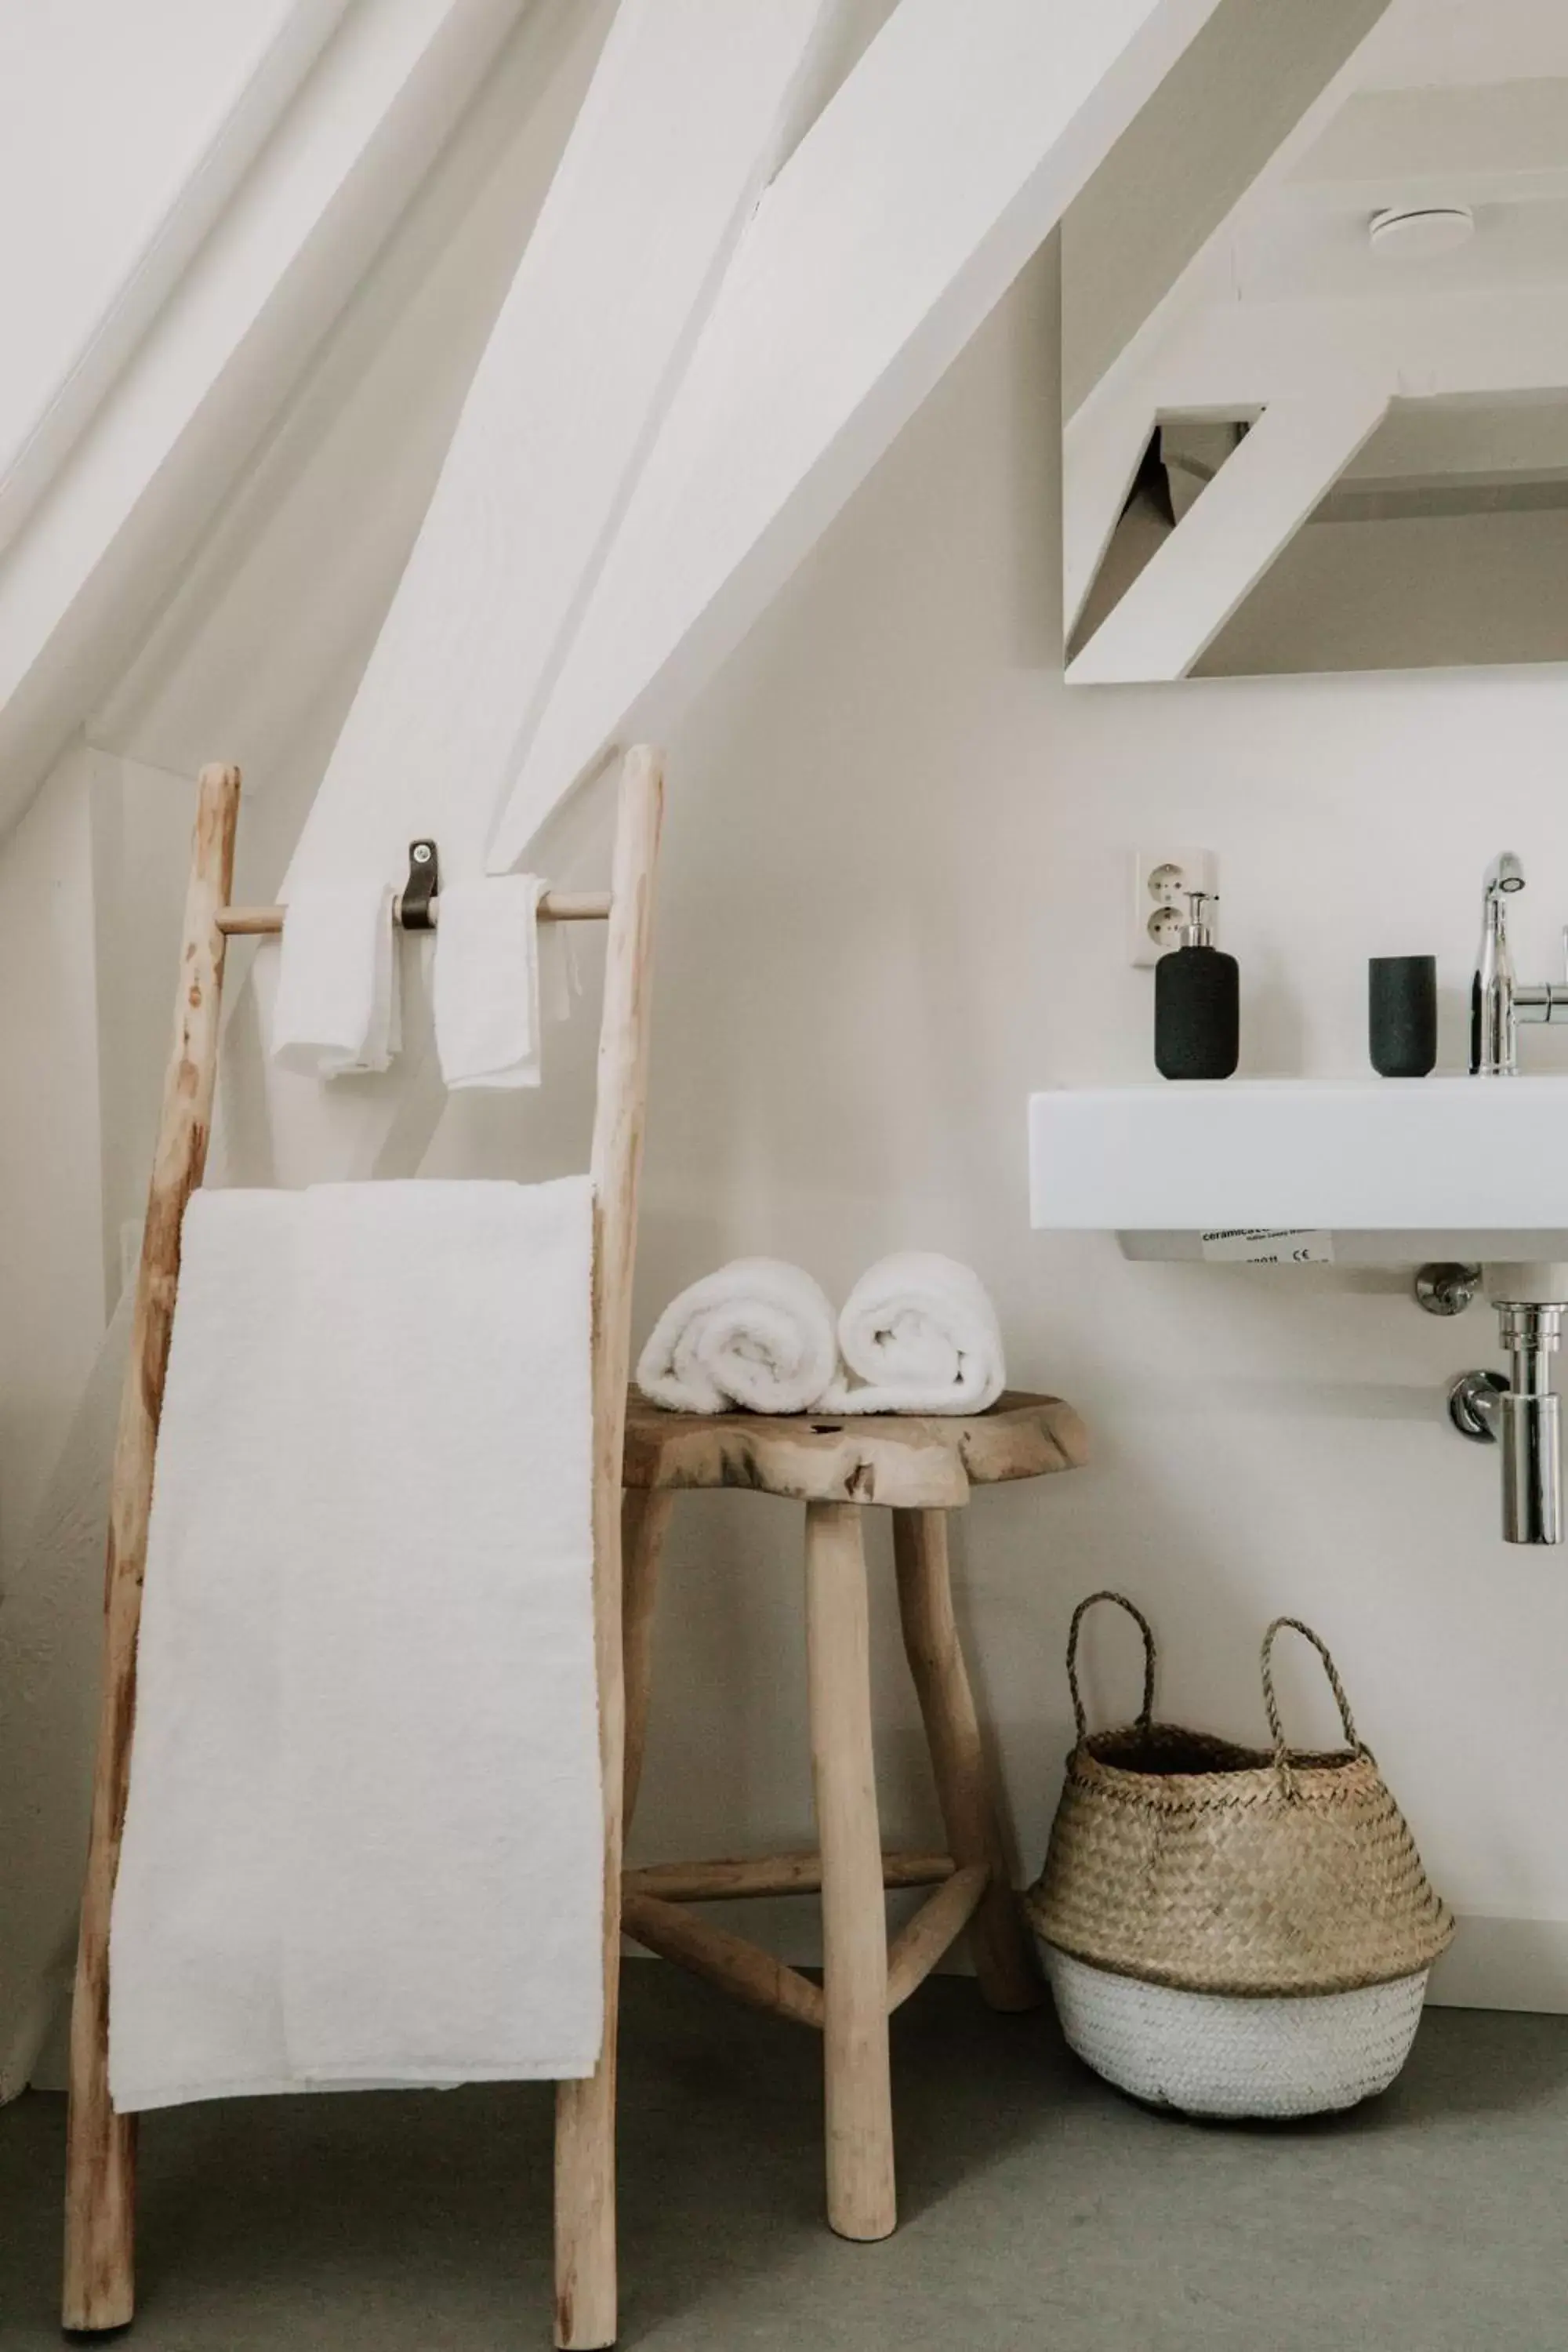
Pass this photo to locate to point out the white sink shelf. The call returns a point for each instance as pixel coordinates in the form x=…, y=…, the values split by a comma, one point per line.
x=1394, y=1170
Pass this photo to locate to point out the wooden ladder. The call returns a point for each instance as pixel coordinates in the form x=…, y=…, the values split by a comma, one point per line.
x=101, y=2159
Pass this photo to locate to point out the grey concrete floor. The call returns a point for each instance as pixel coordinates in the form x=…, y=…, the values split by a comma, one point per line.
x=1039, y=2208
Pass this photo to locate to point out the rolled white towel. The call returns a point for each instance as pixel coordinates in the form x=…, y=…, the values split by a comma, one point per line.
x=758, y=1333
x=920, y=1331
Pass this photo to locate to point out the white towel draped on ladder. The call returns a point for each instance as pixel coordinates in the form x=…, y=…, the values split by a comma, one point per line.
x=363, y=1842
x=485, y=991
x=337, y=1012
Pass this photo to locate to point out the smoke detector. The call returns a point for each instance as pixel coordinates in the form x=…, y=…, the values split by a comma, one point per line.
x=1418, y=232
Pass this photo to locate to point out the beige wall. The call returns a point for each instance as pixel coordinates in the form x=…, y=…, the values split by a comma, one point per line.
x=893, y=903
x=51, y=1278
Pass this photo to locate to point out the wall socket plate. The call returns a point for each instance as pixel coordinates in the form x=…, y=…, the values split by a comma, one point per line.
x=1161, y=880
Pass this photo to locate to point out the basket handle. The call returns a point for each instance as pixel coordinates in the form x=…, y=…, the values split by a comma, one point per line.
x=1147, y=1710
x=1347, y=1720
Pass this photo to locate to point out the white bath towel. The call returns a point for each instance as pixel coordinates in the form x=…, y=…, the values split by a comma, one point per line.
x=920, y=1331
x=758, y=1333
x=486, y=990
x=363, y=1838
x=336, y=1012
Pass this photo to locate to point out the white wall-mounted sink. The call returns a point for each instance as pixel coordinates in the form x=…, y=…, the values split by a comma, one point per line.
x=1391, y=1167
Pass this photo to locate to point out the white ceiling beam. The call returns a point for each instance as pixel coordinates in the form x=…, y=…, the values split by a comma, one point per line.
x=1240, y=356
x=1233, y=359
x=83, y=581
x=263, y=640
x=1253, y=508
x=680, y=124
x=680, y=127
x=1495, y=141
x=1200, y=349
x=1103, y=448
x=947, y=155
x=1120, y=407
x=1215, y=122
x=1208, y=274
x=123, y=135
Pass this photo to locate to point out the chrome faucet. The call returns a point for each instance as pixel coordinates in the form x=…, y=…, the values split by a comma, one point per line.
x=1499, y=1000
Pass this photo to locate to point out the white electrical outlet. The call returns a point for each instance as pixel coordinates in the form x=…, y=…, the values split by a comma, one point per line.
x=1161, y=880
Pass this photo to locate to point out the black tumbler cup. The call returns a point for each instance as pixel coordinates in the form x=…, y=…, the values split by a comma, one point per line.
x=1402, y=1006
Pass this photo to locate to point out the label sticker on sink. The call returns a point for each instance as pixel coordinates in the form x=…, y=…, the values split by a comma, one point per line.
x=1268, y=1245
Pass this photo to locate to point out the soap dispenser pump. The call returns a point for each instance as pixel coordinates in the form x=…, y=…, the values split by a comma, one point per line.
x=1197, y=1003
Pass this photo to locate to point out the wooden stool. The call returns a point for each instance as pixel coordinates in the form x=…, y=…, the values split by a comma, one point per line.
x=921, y=1468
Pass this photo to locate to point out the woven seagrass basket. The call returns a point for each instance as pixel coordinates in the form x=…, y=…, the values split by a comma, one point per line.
x=1233, y=1930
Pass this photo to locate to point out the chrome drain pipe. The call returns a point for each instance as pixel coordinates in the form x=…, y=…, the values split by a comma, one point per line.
x=1521, y=1415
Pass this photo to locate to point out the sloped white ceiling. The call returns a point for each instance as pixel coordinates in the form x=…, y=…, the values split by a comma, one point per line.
x=121, y=130
x=1434, y=44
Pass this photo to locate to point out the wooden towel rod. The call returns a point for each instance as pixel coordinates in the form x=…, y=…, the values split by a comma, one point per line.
x=556, y=907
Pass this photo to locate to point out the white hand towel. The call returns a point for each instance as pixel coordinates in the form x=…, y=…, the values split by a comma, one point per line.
x=336, y=1012
x=364, y=1839
x=920, y=1331
x=758, y=1333
x=486, y=990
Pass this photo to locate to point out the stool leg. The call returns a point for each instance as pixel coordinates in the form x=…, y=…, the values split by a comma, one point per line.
x=1003, y=1959
x=861, y=2192
x=645, y=1519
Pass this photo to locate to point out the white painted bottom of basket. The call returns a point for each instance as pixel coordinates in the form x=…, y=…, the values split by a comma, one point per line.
x=1211, y=2054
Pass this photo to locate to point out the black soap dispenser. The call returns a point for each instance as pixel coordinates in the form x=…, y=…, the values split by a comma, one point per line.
x=1197, y=1003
